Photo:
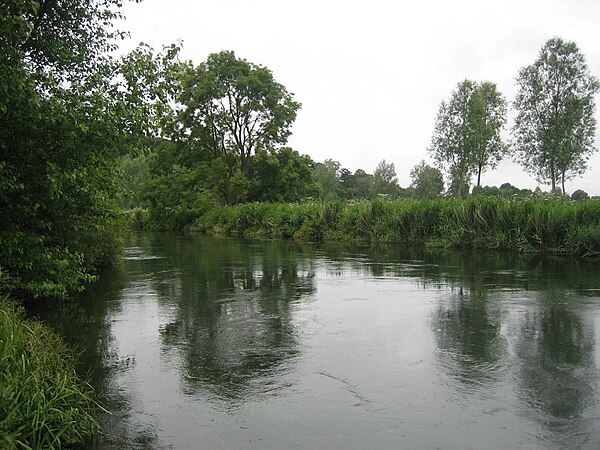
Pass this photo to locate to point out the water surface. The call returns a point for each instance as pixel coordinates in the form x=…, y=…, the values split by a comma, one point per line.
x=205, y=343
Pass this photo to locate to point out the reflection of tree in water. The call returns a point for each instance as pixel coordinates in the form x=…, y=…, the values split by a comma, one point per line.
x=470, y=346
x=84, y=323
x=553, y=345
x=232, y=317
x=555, y=348
x=467, y=325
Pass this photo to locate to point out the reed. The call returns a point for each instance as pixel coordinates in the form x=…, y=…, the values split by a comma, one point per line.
x=43, y=403
x=525, y=225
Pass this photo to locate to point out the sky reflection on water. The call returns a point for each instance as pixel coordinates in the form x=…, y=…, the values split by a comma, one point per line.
x=199, y=342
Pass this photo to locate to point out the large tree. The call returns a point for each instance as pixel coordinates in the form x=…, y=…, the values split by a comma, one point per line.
x=488, y=117
x=555, y=124
x=65, y=118
x=229, y=110
x=466, y=137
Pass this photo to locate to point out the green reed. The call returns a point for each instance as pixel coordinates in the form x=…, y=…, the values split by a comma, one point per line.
x=526, y=225
x=43, y=403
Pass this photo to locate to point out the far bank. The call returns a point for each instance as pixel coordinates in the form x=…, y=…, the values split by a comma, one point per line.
x=543, y=224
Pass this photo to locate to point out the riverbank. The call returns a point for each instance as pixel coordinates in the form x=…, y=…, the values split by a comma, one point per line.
x=526, y=225
x=43, y=403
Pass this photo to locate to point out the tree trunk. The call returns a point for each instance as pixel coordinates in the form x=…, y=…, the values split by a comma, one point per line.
x=552, y=180
x=228, y=195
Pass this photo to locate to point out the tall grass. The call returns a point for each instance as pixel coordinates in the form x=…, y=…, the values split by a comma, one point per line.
x=526, y=225
x=43, y=404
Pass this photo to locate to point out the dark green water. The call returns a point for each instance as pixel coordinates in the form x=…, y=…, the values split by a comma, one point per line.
x=205, y=343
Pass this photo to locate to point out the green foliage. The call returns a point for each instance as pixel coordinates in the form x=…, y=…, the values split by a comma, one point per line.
x=43, y=404
x=466, y=138
x=230, y=109
x=555, y=124
x=283, y=176
x=579, y=194
x=134, y=177
x=328, y=177
x=385, y=181
x=357, y=185
x=68, y=112
x=488, y=117
x=543, y=224
x=505, y=190
x=426, y=181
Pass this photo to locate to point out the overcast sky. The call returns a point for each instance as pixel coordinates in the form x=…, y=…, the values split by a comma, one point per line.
x=371, y=74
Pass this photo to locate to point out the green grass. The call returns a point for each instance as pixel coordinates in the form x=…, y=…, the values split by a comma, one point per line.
x=525, y=225
x=43, y=403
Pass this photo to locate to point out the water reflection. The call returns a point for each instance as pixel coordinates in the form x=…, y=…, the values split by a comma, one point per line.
x=469, y=342
x=546, y=339
x=557, y=375
x=231, y=311
x=87, y=324
x=194, y=332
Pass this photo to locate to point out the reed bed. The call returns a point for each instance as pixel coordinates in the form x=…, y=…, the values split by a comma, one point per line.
x=525, y=225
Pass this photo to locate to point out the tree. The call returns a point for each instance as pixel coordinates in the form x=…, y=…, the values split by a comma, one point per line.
x=426, y=181
x=579, y=194
x=328, y=178
x=385, y=180
x=555, y=124
x=283, y=176
x=230, y=109
x=134, y=177
x=466, y=137
x=357, y=185
x=489, y=117
x=66, y=117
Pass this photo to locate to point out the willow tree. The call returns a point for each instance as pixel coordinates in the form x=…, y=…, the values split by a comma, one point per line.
x=466, y=138
x=555, y=125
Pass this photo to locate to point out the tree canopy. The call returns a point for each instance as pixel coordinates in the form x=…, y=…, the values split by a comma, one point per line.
x=65, y=117
x=466, y=137
x=228, y=110
x=555, y=124
x=426, y=181
x=385, y=181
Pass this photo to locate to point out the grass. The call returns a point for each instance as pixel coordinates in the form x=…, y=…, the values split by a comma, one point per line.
x=43, y=403
x=525, y=225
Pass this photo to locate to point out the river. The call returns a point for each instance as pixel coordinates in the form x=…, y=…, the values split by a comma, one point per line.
x=197, y=342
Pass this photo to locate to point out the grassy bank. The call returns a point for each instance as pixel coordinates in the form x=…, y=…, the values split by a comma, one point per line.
x=43, y=404
x=543, y=224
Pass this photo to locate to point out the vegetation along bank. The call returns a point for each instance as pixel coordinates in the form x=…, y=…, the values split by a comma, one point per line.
x=85, y=134
x=525, y=225
x=43, y=403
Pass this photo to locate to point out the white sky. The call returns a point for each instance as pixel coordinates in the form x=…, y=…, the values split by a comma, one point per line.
x=371, y=75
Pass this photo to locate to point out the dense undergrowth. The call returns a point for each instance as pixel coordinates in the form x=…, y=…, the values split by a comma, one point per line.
x=530, y=225
x=43, y=403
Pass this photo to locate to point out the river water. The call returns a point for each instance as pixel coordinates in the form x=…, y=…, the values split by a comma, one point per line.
x=197, y=342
